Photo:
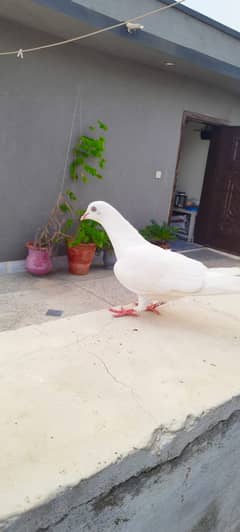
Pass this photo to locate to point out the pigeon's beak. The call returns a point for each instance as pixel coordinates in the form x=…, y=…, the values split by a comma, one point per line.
x=84, y=216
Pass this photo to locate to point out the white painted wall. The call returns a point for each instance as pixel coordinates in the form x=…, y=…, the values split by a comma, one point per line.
x=192, y=161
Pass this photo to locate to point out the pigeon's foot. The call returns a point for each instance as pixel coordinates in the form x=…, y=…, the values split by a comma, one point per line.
x=120, y=313
x=154, y=307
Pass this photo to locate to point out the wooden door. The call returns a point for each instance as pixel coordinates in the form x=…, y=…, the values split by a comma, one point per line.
x=218, y=220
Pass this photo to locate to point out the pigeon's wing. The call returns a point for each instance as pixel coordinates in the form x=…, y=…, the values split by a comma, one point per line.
x=151, y=270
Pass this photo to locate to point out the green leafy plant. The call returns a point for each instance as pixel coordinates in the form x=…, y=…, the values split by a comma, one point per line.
x=74, y=231
x=64, y=221
x=89, y=153
x=87, y=232
x=107, y=242
x=159, y=233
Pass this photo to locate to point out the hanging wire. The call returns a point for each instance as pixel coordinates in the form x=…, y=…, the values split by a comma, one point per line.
x=19, y=53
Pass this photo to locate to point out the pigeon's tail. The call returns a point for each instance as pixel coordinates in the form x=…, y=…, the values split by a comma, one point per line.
x=221, y=281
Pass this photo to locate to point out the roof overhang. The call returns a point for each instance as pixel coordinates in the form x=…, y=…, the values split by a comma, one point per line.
x=64, y=19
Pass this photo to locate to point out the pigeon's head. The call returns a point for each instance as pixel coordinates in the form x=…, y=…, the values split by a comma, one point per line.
x=97, y=211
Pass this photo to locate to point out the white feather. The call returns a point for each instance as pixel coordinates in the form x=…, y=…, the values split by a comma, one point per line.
x=151, y=271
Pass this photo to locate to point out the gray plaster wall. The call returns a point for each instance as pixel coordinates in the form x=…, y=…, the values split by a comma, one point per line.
x=143, y=108
x=173, y=25
x=197, y=491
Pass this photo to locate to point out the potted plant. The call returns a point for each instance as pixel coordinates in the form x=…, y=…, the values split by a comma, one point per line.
x=86, y=236
x=81, y=247
x=88, y=161
x=39, y=258
x=40, y=250
x=158, y=234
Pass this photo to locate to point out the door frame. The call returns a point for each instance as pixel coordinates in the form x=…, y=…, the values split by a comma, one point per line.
x=189, y=116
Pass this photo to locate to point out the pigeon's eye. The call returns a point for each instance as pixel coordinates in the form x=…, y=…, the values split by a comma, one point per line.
x=93, y=209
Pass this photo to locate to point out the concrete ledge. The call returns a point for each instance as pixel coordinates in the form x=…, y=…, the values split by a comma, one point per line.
x=103, y=418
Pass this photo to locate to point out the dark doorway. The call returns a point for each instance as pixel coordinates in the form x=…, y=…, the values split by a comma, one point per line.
x=218, y=220
x=208, y=171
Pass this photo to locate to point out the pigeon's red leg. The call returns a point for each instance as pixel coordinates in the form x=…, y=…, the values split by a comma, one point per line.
x=120, y=313
x=153, y=307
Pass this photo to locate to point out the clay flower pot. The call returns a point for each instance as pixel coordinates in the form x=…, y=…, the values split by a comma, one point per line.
x=165, y=245
x=161, y=243
x=80, y=258
x=39, y=260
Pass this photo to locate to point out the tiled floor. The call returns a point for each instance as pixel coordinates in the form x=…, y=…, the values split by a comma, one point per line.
x=213, y=259
x=25, y=300
x=183, y=245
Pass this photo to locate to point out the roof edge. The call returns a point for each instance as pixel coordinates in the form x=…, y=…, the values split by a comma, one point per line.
x=71, y=8
x=203, y=18
x=176, y=51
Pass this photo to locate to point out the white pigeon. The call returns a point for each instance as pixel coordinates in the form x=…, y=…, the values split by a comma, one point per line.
x=155, y=273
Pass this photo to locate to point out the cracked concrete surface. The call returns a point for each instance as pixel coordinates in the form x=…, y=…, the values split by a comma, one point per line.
x=91, y=402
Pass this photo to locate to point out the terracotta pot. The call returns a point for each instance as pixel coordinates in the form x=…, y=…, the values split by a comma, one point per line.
x=161, y=244
x=80, y=258
x=39, y=260
x=164, y=245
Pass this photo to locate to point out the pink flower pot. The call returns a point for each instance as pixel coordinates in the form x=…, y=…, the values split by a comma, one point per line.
x=39, y=260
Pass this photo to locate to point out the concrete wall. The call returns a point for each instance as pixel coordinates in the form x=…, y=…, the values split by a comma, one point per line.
x=196, y=492
x=142, y=107
x=173, y=25
x=193, y=161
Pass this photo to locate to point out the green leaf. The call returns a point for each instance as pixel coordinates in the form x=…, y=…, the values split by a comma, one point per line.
x=160, y=233
x=71, y=195
x=102, y=163
x=90, y=169
x=86, y=149
x=102, y=125
x=78, y=151
x=79, y=160
x=68, y=224
x=73, y=171
x=80, y=212
x=64, y=207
